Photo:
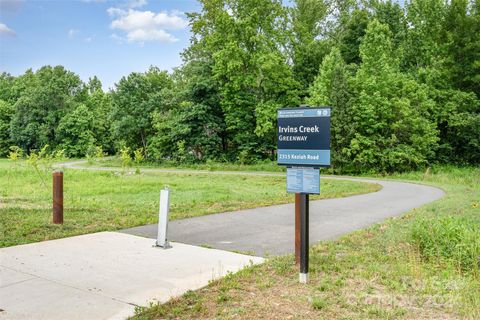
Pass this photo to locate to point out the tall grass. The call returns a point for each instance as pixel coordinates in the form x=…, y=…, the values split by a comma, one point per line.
x=453, y=239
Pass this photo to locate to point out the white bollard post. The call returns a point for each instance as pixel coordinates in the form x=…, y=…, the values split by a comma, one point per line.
x=162, y=236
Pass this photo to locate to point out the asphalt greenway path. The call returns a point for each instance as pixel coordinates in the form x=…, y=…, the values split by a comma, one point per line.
x=270, y=230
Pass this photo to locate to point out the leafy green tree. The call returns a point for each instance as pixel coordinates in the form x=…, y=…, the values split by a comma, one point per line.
x=456, y=114
x=13, y=88
x=94, y=84
x=7, y=92
x=6, y=113
x=308, y=46
x=331, y=88
x=188, y=133
x=46, y=97
x=194, y=130
x=403, y=81
x=464, y=135
x=99, y=104
x=461, y=36
x=422, y=46
x=390, y=111
x=247, y=40
x=448, y=65
x=352, y=34
x=134, y=100
x=391, y=13
x=75, y=132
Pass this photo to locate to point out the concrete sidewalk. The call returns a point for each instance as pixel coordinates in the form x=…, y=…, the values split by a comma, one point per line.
x=103, y=275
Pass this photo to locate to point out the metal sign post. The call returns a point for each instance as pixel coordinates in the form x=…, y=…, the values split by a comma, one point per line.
x=304, y=231
x=304, y=147
x=162, y=235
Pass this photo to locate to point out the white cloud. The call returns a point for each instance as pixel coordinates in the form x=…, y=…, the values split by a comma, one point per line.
x=142, y=26
x=113, y=12
x=72, y=33
x=4, y=30
x=146, y=20
x=141, y=35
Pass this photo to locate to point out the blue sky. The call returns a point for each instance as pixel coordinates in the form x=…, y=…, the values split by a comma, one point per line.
x=106, y=38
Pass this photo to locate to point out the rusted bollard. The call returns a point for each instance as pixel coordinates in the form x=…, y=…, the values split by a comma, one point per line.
x=58, y=197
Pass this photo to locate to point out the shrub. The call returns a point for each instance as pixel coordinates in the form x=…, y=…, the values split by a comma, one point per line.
x=138, y=156
x=126, y=158
x=15, y=153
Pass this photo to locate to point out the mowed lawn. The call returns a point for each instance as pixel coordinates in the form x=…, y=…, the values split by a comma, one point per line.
x=99, y=201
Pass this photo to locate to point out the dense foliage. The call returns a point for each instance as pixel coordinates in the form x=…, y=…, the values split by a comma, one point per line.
x=403, y=81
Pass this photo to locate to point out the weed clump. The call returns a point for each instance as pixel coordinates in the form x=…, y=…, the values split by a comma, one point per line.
x=454, y=239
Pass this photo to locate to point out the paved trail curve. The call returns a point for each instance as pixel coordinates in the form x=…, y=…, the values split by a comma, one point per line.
x=270, y=230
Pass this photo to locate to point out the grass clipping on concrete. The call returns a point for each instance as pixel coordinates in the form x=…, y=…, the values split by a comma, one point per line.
x=100, y=201
x=416, y=266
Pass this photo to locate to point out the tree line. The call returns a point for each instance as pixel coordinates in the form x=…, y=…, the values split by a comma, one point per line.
x=403, y=83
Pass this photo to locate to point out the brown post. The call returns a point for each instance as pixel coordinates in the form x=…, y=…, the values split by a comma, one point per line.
x=297, y=227
x=58, y=197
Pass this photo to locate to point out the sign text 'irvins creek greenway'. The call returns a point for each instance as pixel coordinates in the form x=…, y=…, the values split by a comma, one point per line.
x=304, y=137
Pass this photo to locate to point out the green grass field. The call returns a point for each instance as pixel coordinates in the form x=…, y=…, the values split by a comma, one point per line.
x=116, y=162
x=423, y=265
x=100, y=201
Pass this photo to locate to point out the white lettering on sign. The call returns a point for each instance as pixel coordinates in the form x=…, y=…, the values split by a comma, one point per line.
x=309, y=129
x=298, y=156
x=292, y=138
x=288, y=129
x=301, y=129
x=293, y=156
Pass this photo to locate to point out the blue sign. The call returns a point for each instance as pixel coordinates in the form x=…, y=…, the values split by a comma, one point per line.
x=304, y=136
x=303, y=180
